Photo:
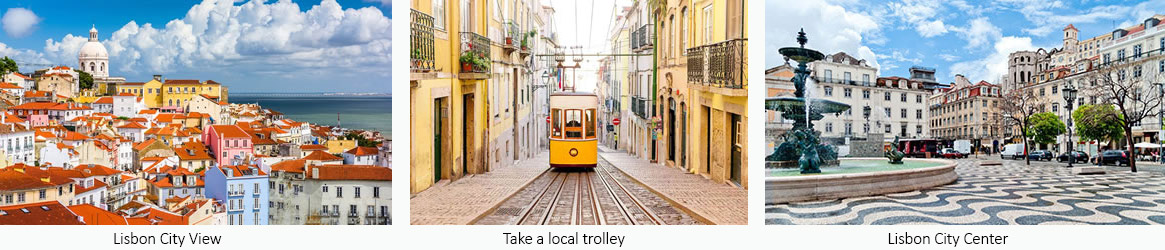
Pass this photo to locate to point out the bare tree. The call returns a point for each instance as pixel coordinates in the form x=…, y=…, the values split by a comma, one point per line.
x=1127, y=84
x=1015, y=108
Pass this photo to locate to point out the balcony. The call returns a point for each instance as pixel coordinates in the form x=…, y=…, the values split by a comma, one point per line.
x=510, y=42
x=642, y=38
x=719, y=67
x=475, y=57
x=422, y=50
x=640, y=106
x=525, y=44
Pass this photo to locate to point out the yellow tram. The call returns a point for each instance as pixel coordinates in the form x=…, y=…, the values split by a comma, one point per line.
x=574, y=137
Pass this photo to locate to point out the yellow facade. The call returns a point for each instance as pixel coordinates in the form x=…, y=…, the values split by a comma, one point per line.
x=156, y=94
x=703, y=115
x=340, y=146
x=443, y=98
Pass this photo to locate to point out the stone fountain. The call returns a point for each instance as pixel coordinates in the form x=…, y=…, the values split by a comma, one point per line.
x=802, y=143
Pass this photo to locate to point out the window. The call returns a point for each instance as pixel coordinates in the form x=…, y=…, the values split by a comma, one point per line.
x=556, y=125
x=866, y=94
x=1055, y=108
x=256, y=189
x=829, y=90
x=888, y=128
x=574, y=126
x=848, y=92
x=1136, y=51
x=1120, y=54
x=918, y=113
x=356, y=192
x=849, y=129
x=866, y=79
x=325, y=209
x=903, y=113
x=42, y=194
x=887, y=95
x=1137, y=71
x=829, y=127
x=866, y=128
x=590, y=126
x=325, y=189
x=684, y=30
x=707, y=24
x=828, y=75
x=375, y=192
x=918, y=129
x=887, y=110
x=918, y=98
x=339, y=192
x=902, y=97
x=847, y=78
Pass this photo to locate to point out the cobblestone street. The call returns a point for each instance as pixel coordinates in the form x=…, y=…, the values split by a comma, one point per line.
x=461, y=202
x=1011, y=193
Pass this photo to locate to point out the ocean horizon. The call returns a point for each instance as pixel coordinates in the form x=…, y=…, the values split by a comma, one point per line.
x=353, y=111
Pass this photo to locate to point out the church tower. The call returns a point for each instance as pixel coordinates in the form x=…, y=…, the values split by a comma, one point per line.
x=93, y=58
x=1070, y=40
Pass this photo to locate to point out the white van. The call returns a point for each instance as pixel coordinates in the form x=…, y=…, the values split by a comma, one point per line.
x=963, y=146
x=1015, y=151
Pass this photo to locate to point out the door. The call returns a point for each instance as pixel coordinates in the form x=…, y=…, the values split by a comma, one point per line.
x=683, y=136
x=439, y=119
x=737, y=135
x=468, y=154
x=671, y=130
x=705, y=130
x=514, y=108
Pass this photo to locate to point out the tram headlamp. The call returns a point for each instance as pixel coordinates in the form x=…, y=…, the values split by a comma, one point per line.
x=573, y=152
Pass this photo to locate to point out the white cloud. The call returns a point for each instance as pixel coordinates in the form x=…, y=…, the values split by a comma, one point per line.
x=931, y=29
x=980, y=32
x=19, y=22
x=254, y=37
x=830, y=28
x=993, y=66
x=949, y=57
x=22, y=55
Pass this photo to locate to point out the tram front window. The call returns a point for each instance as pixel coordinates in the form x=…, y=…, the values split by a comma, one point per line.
x=556, y=123
x=590, y=123
x=574, y=126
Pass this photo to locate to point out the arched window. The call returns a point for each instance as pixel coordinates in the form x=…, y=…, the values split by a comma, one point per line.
x=103, y=67
x=92, y=66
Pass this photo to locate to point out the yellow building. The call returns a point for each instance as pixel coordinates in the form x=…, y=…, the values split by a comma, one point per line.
x=470, y=102
x=171, y=93
x=702, y=87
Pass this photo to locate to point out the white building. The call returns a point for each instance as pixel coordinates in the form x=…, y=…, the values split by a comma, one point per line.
x=330, y=194
x=93, y=58
x=16, y=141
x=361, y=156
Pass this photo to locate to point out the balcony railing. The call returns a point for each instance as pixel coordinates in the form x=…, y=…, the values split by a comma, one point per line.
x=422, y=52
x=510, y=42
x=718, y=65
x=478, y=45
x=641, y=38
x=639, y=106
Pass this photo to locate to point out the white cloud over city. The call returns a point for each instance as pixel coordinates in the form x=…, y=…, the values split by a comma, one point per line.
x=830, y=28
x=274, y=39
x=19, y=22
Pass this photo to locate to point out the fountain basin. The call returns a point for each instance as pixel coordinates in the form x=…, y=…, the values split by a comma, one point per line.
x=853, y=181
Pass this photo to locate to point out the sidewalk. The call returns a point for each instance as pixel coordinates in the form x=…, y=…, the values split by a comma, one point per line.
x=714, y=203
x=463, y=201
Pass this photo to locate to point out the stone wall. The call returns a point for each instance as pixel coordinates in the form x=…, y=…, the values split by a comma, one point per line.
x=871, y=147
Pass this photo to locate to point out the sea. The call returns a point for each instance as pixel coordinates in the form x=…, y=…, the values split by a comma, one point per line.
x=355, y=112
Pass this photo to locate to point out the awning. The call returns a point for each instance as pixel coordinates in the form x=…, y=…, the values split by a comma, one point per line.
x=1147, y=145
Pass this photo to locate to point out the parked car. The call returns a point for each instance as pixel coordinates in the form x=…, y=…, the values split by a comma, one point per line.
x=1077, y=156
x=1040, y=155
x=951, y=153
x=1013, y=151
x=1117, y=157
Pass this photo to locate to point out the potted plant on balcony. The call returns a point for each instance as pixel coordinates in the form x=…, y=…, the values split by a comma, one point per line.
x=468, y=59
x=415, y=55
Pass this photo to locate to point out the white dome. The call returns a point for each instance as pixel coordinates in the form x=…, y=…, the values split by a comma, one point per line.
x=93, y=50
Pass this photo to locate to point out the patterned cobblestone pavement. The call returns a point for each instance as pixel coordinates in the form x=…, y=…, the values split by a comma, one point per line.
x=711, y=202
x=462, y=201
x=1011, y=193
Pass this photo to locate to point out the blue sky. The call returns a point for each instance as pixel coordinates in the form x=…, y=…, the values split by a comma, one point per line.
x=966, y=37
x=261, y=46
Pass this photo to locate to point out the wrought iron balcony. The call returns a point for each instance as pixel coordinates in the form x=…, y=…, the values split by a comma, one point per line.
x=720, y=65
x=641, y=38
x=422, y=50
x=476, y=45
x=510, y=42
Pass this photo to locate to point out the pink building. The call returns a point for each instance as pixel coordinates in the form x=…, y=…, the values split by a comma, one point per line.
x=228, y=142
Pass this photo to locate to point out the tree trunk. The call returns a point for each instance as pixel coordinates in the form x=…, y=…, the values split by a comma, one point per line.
x=1026, y=145
x=1129, y=147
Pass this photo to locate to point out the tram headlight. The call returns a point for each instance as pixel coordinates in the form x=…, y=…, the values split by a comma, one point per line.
x=573, y=152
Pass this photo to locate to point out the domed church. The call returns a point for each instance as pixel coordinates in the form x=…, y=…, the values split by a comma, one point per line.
x=93, y=57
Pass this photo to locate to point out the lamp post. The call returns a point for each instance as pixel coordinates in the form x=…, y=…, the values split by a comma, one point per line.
x=866, y=114
x=1160, y=121
x=1069, y=97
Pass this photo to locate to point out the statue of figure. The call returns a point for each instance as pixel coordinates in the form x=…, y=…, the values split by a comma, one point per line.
x=894, y=154
x=809, y=162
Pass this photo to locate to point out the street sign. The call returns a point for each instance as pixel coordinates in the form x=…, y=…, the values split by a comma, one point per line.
x=615, y=121
x=547, y=119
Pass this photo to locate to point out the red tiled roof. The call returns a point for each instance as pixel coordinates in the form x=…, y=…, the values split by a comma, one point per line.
x=230, y=131
x=4, y=85
x=11, y=180
x=97, y=216
x=132, y=125
x=350, y=172
x=40, y=213
x=104, y=100
x=180, y=82
x=293, y=166
x=362, y=151
x=322, y=156
x=313, y=147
